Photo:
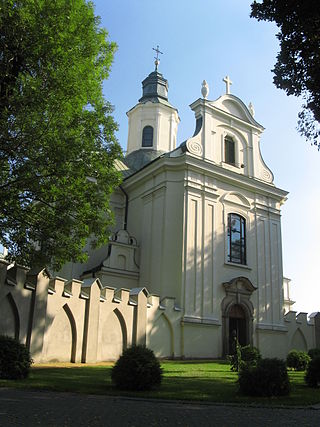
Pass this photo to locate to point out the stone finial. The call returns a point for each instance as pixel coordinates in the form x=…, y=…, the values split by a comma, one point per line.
x=251, y=109
x=205, y=89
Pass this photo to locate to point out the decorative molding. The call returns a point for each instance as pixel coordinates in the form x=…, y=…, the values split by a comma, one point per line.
x=200, y=321
x=239, y=285
x=233, y=264
x=194, y=147
x=271, y=327
x=235, y=198
x=266, y=176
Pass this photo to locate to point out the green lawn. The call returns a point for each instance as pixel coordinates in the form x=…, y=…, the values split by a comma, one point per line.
x=186, y=380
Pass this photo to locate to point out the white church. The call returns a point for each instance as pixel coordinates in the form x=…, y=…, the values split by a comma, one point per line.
x=195, y=256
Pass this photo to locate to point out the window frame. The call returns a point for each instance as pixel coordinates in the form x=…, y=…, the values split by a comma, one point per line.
x=143, y=143
x=232, y=246
x=228, y=140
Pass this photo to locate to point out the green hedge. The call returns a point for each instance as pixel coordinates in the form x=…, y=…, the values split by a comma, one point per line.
x=298, y=360
x=137, y=369
x=268, y=378
x=312, y=376
x=15, y=359
x=314, y=352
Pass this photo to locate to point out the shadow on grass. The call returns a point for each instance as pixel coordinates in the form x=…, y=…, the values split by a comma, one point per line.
x=208, y=382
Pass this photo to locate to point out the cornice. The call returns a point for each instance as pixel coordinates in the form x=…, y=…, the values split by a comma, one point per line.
x=204, y=167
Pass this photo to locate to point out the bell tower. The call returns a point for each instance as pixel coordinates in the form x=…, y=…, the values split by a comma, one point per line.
x=153, y=122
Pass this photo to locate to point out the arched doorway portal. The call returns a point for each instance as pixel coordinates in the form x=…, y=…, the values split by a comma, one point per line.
x=237, y=313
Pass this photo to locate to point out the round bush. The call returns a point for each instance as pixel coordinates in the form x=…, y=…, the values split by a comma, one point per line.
x=250, y=355
x=312, y=377
x=268, y=378
x=314, y=352
x=15, y=359
x=137, y=369
x=298, y=360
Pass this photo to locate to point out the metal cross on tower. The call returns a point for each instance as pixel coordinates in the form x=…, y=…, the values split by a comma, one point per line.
x=157, y=60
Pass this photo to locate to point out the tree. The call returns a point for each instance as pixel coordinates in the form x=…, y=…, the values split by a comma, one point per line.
x=297, y=70
x=57, y=142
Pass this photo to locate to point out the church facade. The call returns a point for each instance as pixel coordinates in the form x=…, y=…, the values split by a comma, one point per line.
x=195, y=258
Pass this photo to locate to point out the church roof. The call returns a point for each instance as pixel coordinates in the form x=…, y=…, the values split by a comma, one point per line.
x=140, y=158
x=155, y=90
x=137, y=160
x=154, y=87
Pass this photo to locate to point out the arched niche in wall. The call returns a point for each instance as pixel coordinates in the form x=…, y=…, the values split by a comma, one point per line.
x=123, y=328
x=161, y=337
x=113, y=336
x=9, y=317
x=62, y=338
x=298, y=341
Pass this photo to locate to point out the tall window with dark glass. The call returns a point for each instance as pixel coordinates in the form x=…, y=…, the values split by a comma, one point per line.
x=229, y=151
x=236, y=239
x=147, y=136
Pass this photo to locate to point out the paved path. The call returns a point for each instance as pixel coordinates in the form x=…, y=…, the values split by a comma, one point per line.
x=50, y=409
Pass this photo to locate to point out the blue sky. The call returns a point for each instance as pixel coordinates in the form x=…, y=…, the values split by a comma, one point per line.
x=209, y=39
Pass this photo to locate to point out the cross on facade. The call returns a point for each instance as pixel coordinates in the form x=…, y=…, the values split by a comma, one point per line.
x=157, y=60
x=228, y=83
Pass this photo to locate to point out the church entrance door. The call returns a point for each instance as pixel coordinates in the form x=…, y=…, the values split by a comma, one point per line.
x=237, y=313
x=238, y=326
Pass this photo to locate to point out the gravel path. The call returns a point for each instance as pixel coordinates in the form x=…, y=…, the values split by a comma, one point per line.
x=51, y=409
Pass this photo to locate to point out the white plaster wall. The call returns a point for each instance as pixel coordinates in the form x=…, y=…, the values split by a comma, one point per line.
x=15, y=300
x=155, y=218
x=301, y=333
x=110, y=338
x=202, y=341
x=115, y=331
x=7, y=318
x=160, y=337
x=163, y=327
x=59, y=339
x=272, y=343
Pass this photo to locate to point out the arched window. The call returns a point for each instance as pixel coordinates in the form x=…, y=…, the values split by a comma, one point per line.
x=229, y=150
x=147, y=136
x=236, y=239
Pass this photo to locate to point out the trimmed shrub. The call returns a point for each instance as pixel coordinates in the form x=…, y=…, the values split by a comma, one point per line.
x=137, y=369
x=314, y=352
x=298, y=360
x=246, y=355
x=235, y=359
x=250, y=355
x=15, y=359
x=312, y=377
x=268, y=378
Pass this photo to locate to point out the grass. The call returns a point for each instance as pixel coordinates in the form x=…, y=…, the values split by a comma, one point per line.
x=207, y=381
